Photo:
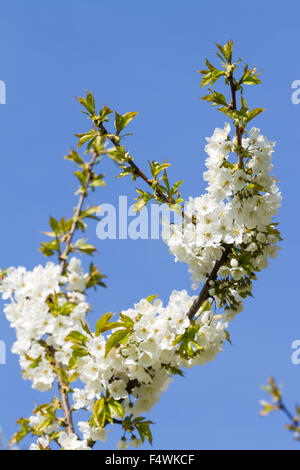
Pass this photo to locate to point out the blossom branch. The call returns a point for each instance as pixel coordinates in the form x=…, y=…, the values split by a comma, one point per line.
x=64, y=399
x=237, y=127
x=78, y=209
x=276, y=394
x=137, y=171
x=204, y=294
x=63, y=390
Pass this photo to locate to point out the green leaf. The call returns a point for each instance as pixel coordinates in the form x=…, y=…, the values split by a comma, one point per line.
x=49, y=248
x=215, y=98
x=121, y=121
x=86, y=248
x=79, y=351
x=85, y=137
x=251, y=80
x=116, y=339
x=138, y=206
x=228, y=51
x=118, y=154
x=156, y=167
x=151, y=298
x=66, y=309
x=104, y=112
x=54, y=225
x=94, y=278
x=206, y=306
x=85, y=327
x=176, y=186
x=77, y=337
x=211, y=77
x=252, y=114
x=228, y=336
x=99, y=412
x=127, y=171
x=233, y=114
x=101, y=323
x=88, y=102
x=74, y=157
x=90, y=212
x=143, y=199
x=127, y=321
x=175, y=370
x=116, y=406
x=143, y=428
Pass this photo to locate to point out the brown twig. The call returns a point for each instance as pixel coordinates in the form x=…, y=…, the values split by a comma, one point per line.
x=137, y=171
x=237, y=127
x=204, y=294
x=83, y=195
x=64, y=399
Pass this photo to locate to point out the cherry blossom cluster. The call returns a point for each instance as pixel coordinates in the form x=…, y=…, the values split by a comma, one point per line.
x=139, y=371
x=134, y=374
x=43, y=315
x=235, y=214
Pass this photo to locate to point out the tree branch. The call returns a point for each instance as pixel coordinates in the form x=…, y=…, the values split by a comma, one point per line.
x=287, y=412
x=136, y=169
x=83, y=196
x=64, y=399
x=204, y=294
x=64, y=396
x=237, y=127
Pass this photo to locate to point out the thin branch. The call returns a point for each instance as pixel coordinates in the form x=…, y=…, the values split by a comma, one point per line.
x=64, y=399
x=204, y=294
x=137, y=171
x=78, y=209
x=287, y=412
x=237, y=127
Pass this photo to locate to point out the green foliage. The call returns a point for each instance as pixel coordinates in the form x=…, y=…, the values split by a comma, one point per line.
x=124, y=325
x=95, y=278
x=24, y=430
x=122, y=121
x=104, y=324
x=275, y=393
x=150, y=298
x=141, y=425
x=117, y=338
x=78, y=346
x=162, y=190
x=105, y=410
x=189, y=346
x=143, y=428
x=48, y=412
x=240, y=116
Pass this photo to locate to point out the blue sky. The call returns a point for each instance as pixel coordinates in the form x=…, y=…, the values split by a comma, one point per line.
x=143, y=56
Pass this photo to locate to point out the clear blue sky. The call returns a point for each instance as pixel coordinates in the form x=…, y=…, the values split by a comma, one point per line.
x=144, y=56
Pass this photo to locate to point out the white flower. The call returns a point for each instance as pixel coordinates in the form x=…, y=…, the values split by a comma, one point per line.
x=122, y=444
x=71, y=442
x=93, y=433
x=42, y=444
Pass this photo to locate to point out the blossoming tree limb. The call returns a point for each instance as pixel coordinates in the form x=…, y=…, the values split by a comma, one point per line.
x=117, y=372
x=277, y=404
